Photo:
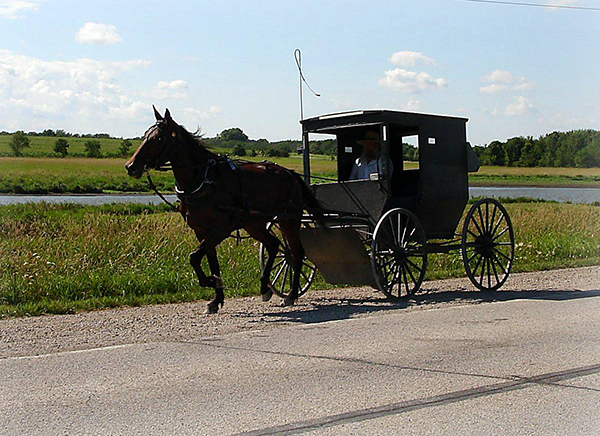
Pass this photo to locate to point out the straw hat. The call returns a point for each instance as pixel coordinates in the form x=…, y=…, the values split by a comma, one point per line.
x=371, y=137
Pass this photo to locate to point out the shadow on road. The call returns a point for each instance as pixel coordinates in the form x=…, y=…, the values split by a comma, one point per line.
x=332, y=309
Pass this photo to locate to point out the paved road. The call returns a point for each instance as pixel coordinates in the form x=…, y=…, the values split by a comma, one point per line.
x=524, y=366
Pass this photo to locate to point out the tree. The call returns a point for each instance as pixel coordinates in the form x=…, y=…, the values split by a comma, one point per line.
x=234, y=134
x=18, y=142
x=92, y=148
x=61, y=146
x=125, y=147
x=589, y=156
x=239, y=150
x=495, y=154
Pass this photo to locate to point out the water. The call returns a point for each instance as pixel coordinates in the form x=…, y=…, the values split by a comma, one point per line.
x=95, y=199
x=574, y=195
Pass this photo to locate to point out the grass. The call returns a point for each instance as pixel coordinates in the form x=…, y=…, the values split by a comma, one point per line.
x=43, y=145
x=26, y=175
x=550, y=177
x=66, y=258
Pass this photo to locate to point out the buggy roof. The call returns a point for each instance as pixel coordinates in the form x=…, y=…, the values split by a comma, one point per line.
x=330, y=123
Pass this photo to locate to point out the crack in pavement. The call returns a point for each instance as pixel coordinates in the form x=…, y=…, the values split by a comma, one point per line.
x=433, y=401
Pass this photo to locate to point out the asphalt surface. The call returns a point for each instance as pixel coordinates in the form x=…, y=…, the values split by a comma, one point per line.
x=520, y=366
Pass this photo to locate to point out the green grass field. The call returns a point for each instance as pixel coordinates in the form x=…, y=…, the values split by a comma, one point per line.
x=65, y=258
x=26, y=175
x=43, y=145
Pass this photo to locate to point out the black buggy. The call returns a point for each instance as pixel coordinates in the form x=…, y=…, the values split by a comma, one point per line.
x=379, y=231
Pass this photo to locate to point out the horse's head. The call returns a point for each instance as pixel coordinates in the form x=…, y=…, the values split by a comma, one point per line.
x=157, y=147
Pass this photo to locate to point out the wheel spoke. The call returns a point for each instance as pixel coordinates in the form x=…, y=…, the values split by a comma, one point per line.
x=472, y=234
x=501, y=233
x=414, y=265
x=499, y=263
x=493, y=217
x=310, y=266
x=500, y=219
x=482, y=270
x=502, y=254
x=283, y=267
x=285, y=274
x=474, y=221
x=481, y=219
x=405, y=281
x=410, y=272
x=404, y=232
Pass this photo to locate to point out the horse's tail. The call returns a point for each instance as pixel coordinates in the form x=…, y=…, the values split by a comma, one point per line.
x=310, y=201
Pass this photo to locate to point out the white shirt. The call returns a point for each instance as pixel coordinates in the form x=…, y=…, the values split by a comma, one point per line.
x=363, y=168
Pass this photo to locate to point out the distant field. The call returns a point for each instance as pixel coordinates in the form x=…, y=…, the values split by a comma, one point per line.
x=42, y=145
x=518, y=176
x=27, y=175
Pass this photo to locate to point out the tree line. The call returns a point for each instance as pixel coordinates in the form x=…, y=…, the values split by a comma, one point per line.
x=577, y=148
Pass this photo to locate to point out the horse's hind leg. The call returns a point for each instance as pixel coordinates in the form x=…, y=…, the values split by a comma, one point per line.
x=259, y=232
x=213, y=281
x=291, y=231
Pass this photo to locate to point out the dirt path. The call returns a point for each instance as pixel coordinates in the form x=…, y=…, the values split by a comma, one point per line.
x=173, y=322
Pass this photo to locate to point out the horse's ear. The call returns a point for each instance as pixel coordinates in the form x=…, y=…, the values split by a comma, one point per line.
x=157, y=115
x=168, y=116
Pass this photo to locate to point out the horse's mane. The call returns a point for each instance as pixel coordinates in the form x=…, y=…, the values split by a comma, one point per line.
x=194, y=141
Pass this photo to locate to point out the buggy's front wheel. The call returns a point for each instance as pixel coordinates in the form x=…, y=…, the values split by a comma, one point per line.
x=399, y=254
x=488, y=244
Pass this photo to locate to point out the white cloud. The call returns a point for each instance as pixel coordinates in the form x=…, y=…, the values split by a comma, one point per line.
x=11, y=9
x=410, y=82
x=498, y=76
x=195, y=114
x=493, y=88
x=500, y=81
x=36, y=90
x=518, y=106
x=173, y=89
x=410, y=59
x=98, y=34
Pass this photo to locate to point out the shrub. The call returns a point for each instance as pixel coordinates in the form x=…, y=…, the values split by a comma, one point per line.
x=92, y=148
x=61, y=146
x=18, y=142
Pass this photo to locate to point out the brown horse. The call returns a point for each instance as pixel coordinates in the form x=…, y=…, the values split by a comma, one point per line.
x=218, y=196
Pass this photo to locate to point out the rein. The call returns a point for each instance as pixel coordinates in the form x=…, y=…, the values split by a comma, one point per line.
x=156, y=191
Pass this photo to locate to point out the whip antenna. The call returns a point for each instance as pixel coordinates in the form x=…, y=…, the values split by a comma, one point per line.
x=298, y=57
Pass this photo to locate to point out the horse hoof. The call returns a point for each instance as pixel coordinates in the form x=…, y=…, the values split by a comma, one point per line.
x=267, y=295
x=212, y=308
x=287, y=301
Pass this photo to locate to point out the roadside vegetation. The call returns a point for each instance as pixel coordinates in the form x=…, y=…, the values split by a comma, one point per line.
x=65, y=258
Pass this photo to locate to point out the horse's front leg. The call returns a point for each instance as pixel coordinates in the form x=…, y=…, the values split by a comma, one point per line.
x=213, y=281
x=215, y=270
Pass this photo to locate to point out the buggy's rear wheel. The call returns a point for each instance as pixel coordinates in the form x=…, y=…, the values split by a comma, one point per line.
x=281, y=276
x=399, y=254
x=488, y=244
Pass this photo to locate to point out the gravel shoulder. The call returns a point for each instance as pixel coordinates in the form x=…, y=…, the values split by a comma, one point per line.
x=188, y=322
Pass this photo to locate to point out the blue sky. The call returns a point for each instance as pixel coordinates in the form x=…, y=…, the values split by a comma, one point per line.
x=99, y=66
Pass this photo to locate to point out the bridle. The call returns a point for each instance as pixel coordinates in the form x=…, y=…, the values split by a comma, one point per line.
x=162, y=163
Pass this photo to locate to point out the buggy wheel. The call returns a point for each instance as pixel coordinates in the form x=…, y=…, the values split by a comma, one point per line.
x=488, y=244
x=399, y=254
x=282, y=273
